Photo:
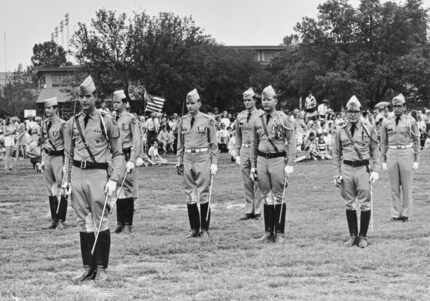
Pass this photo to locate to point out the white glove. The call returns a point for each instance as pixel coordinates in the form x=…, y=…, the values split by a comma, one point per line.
x=415, y=166
x=253, y=174
x=338, y=181
x=374, y=176
x=237, y=159
x=139, y=162
x=42, y=165
x=214, y=169
x=129, y=166
x=384, y=166
x=288, y=170
x=110, y=188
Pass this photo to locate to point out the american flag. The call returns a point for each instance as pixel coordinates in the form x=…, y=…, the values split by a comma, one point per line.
x=154, y=103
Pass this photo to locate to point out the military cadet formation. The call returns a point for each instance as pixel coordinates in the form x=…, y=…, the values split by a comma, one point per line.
x=90, y=161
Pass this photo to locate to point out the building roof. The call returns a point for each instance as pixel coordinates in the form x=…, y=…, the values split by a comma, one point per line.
x=258, y=47
x=72, y=68
x=62, y=94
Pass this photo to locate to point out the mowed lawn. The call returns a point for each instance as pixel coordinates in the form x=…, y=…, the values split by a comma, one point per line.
x=157, y=263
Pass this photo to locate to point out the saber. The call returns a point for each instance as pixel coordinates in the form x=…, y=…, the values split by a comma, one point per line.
x=103, y=213
x=372, y=223
x=100, y=225
x=283, y=197
x=210, y=196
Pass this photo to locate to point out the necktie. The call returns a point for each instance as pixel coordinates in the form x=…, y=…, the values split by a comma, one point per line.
x=352, y=129
x=48, y=127
x=86, y=118
x=397, y=120
x=248, y=116
x=268, y=118
x=192, y=121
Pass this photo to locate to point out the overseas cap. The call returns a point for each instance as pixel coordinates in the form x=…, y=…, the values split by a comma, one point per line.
x=353, y=104
x=51, y=102
x=399, y=99
x=193, y=95
x=118, y=95
x=249, y=94
x=87, y=87
x=268, y=92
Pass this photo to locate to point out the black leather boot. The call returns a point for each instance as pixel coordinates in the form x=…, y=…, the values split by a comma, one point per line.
x=269, y=212
x=62, y=210
x=120, y=212
x=53, y=204
x=205, y=218
x=194, y=218
x=351, y=217
x=87, y=241
x=279, y=222
x=101, y=255
x=364, y=225
x=128, y=216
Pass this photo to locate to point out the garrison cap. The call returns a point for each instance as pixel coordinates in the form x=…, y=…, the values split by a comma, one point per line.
x=51, y=102
x=269, y=92
x=249, y=94
x=353, y=104
x=118, y=95
x=87, y=87
x=399, y=99
x=193, y=95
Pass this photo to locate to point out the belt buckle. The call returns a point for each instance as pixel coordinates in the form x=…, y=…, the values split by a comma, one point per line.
x=83, y=164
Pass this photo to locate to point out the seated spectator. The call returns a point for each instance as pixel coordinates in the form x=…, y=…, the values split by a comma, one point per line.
x=154, y=155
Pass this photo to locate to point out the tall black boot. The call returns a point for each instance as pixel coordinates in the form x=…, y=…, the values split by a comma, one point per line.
x=53, y=204
x=194, y=218
x=364, y=225
x=268, y=211
x=62, y=210
x=351, y=217
x=279, y=222
x=128, y=216
x=120, y=212
x=101, y=254
x=205, y=218
x=87, y=240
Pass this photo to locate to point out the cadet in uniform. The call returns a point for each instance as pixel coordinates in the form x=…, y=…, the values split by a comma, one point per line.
x=400, y=147
x=53, y=160
x=130, y=140
x=242, y=153
x=96, y=140
x=197, y=158
x=355, y=150
x=273, y=152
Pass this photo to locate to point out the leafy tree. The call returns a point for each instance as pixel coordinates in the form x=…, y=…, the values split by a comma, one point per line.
x=48, y=54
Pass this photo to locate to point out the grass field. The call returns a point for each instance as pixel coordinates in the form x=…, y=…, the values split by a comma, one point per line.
x=157, y=263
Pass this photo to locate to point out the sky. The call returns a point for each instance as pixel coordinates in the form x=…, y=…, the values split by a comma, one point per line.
x=230, y=22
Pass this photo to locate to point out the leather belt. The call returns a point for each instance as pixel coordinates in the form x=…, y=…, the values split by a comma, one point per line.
x=90, y=165
x=357, y=163
x=55, y=153
x=400, y=146
x=196, y=150
x=271, y=155
x=246, y=145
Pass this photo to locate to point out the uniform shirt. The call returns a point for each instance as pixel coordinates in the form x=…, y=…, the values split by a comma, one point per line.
x=201, y=135
x=281, y=131
x=129, y=133
x=322, y=109
x=365, y=139
x=405, y=133
x=244, y=128
x=102, y=147
x=53, y=136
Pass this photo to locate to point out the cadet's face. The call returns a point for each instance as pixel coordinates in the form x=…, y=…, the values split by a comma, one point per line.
x=353, y=115
x=88, y=102
x=399, y=109
x=249, y=103
x=117, y=105
x=50, y=111
x=193, y=105
x=269, y=103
